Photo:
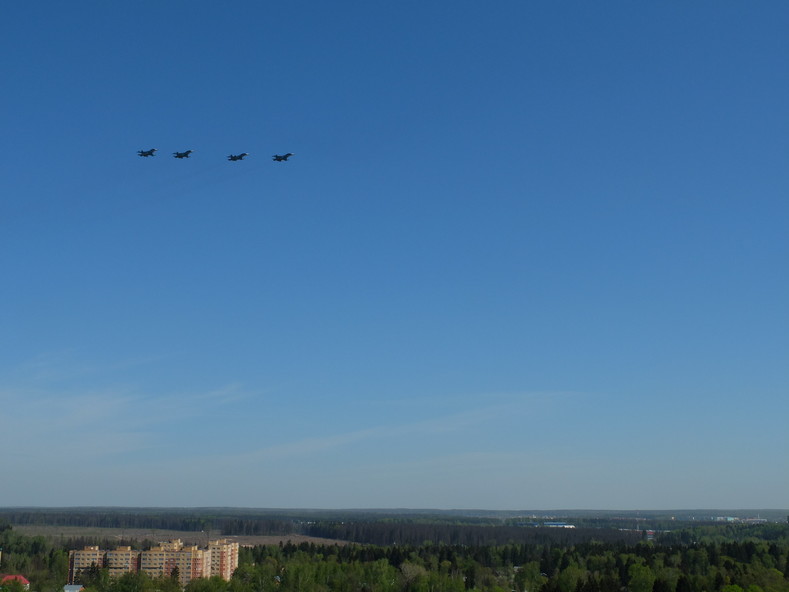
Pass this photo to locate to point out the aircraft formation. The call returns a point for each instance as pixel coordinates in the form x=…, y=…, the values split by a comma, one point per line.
x=231, y=157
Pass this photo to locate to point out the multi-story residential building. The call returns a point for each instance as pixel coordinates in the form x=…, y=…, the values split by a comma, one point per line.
x=122, y=560
x=224, y=558
x=188, y=562
x=194, y=563
x=153, y=560
x=191, y=562
x=79, y=561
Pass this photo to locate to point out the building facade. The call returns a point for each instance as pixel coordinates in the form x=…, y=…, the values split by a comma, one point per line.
x=224, y=558
x=122, y=560
x=189, y=561
x=169, y=558
x=79, y=561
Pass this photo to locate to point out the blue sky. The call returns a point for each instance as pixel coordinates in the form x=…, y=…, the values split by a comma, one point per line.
x=527, y=255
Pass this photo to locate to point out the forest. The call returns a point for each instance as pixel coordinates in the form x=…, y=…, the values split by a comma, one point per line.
x=695, y=558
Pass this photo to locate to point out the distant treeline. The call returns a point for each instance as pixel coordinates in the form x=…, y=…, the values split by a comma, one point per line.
x=382, y=531
x=406, y=533
x=720, y=533
x=152, y=521
x=396, y=528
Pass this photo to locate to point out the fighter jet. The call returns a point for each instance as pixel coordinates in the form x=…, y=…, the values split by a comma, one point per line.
x=237, y=156
x=147, y=152
x=281, y=157
x=182, y=154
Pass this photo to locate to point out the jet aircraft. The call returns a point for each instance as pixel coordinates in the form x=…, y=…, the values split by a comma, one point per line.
x=182, y=154
x=281, y=157
x=147, y=152
x=237, y=156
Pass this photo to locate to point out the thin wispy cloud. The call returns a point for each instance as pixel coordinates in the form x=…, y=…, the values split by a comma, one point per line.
x=57, y=421
x=474, y=399
x=56, y=425
x=226, y=395
x=442, y=424
x=48, y=377
x=67, y=365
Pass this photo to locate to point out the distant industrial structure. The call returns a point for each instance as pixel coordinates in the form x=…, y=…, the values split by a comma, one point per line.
x=169, y=558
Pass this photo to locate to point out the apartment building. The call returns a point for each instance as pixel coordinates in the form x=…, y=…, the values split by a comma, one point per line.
x=79, y=561
x=188, y=562
x=224, y=558
x=122, y=560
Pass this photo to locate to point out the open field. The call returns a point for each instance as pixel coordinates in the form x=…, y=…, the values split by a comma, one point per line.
x=66, y=533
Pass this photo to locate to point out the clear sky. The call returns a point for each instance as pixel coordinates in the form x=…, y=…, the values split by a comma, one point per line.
x=527, y=255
